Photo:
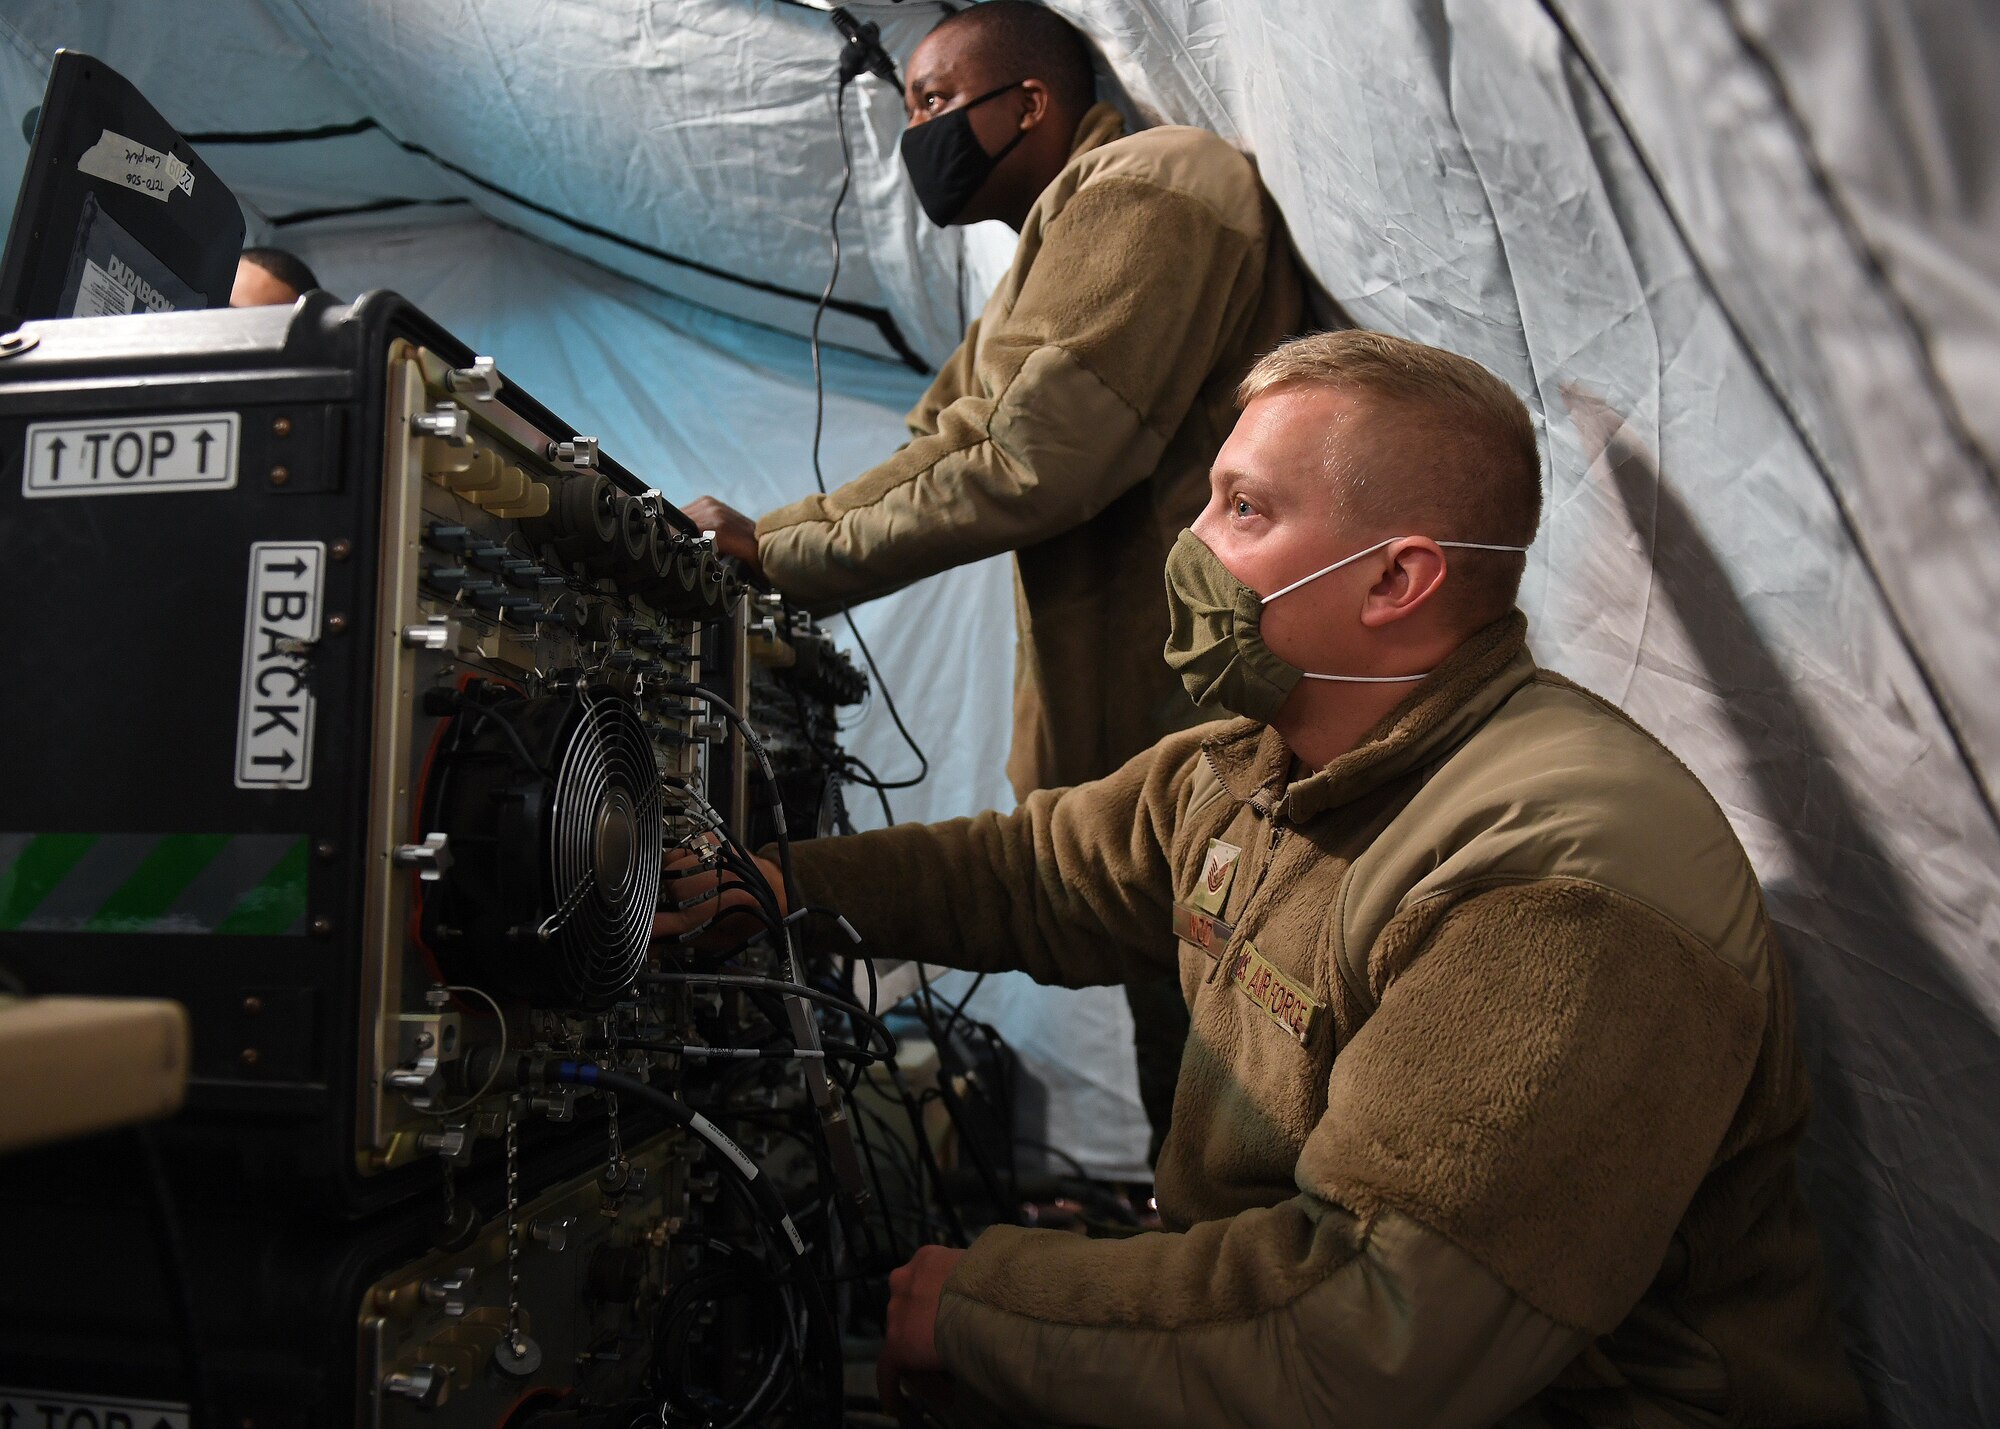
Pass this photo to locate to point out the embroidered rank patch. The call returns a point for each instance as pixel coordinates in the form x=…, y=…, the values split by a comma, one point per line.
x=1217, y=869
x=1281, y=999
x=1204, y=930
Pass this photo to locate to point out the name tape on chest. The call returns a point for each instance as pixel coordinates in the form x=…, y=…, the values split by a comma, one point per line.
x=1204, y=930
x=1277, y=996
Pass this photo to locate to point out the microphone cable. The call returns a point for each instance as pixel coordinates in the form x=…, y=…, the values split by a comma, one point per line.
x=847, y=74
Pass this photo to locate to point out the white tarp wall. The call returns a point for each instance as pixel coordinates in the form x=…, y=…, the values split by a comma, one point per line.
x=1742, y=256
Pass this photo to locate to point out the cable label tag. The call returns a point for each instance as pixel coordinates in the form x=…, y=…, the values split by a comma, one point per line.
x=715, y=1136
x=274, y=712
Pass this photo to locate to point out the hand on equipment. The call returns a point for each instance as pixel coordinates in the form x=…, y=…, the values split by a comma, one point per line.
x=909, y=1345
x=735, y=533
x=698, y=894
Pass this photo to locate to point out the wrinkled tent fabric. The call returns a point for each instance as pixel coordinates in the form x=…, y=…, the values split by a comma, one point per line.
x=1741, y=256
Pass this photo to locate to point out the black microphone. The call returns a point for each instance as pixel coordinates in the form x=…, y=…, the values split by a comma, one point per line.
x=863, y=50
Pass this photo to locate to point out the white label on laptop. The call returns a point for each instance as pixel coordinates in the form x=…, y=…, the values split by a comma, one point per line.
x=274, y=715
x=131, y=454
x=135, y=166
x=60, y=1409
x=100, y=295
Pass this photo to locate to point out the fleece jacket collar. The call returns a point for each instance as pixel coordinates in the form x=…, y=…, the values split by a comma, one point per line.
x=1101, y=123
x=1255, y=764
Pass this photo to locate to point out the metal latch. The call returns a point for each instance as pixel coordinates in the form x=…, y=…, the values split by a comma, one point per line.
x=431, y=858
x=446, y=422
x=481, y=381
x=579, y=452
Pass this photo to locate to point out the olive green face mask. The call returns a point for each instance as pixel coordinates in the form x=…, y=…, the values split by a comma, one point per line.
x=1213, y=638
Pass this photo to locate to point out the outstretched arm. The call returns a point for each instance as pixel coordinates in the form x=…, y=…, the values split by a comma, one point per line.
x=1073, y=887
x=1508, y=1145
x=1070, y=400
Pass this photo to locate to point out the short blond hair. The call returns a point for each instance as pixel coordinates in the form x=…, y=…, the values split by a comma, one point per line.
x=1449, y=452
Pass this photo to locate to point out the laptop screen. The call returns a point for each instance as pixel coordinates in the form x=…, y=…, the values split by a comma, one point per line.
x=117, y=214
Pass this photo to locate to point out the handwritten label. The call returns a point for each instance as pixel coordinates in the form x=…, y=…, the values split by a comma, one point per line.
x=135, y=166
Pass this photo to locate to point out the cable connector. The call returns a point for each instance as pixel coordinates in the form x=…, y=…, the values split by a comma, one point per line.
x=863, y=51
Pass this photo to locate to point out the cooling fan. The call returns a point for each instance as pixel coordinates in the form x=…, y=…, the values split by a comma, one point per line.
x=552, y=814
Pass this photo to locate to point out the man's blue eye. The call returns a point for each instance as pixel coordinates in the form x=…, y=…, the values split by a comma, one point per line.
x=1242, y=507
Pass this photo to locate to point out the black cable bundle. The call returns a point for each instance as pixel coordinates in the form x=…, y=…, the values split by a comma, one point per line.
x=769, y=1214
x=739, y=1277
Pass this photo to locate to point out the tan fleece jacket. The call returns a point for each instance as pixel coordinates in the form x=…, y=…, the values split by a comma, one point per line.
x=1489, y=1106
x=1075, y=426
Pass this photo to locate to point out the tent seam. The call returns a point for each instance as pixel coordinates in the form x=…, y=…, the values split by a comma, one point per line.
x=883, y=320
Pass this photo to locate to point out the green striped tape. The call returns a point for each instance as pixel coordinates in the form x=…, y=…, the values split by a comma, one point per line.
x=252, y=884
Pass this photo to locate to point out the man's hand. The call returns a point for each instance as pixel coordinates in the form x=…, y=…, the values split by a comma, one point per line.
x=735, y=533
x=693, y=893
x=910, y=1345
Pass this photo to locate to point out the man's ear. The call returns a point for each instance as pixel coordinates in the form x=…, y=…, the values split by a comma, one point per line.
x=1412, y=571
x=1037, y=107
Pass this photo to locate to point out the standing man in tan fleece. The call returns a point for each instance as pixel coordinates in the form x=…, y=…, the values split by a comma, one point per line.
x=1075, y=424
x=1489, y=1108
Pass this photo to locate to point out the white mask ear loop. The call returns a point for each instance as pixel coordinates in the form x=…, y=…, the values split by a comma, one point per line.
x=1349, y=560
x=1329, y=570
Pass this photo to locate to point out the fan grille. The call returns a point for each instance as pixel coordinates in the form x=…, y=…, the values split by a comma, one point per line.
x=604, y=848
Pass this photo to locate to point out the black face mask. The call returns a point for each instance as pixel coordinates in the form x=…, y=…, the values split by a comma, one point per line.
x=945, y=160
